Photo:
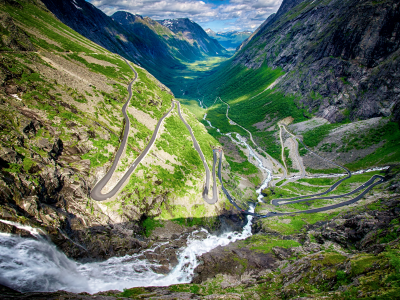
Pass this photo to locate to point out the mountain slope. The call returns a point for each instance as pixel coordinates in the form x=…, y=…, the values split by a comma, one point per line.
x=158, y=38
x=349, y=64
x=309, y=61
x=195, y=34
x=60, y=126
x=142, y=41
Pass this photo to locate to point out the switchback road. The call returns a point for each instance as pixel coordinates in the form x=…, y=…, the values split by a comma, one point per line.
x=214, y=198
x=274, y=161
x=370, y=184
x=327, y=160
x=96, y=193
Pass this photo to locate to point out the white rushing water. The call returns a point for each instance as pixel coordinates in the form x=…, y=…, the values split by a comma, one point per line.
x=243, y=142
x=36, y=265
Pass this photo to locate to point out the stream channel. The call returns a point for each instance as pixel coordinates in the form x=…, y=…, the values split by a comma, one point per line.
x=30, y=265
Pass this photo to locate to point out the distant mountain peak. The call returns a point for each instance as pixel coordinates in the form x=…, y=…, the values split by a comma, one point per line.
x=230, y=39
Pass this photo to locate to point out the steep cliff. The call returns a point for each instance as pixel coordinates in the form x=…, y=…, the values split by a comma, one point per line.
x=341, y=57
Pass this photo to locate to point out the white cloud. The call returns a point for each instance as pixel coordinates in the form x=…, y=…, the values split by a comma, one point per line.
x=237, y=14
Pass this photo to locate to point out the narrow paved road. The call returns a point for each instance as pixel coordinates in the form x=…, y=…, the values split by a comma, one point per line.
x=214, y=198
x=98, y=196
x=327, y=160
x=294, y=150
x=231, y=200
x=277, y=202
x=96, y=193
x=274, y=161
x=370, y=184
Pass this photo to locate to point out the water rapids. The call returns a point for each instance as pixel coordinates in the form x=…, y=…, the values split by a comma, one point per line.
x=30, y=265
x=35, y=265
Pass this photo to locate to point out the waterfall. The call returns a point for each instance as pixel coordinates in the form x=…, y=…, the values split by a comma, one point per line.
x=30, y=265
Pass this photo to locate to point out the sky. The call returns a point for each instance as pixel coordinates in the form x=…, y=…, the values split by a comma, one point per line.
x=219, y=15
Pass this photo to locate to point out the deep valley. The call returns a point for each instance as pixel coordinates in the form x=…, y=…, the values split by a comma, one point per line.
x=148, y=159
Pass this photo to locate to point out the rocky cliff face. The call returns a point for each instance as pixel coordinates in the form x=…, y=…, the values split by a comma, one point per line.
x=342, y=57
x=195, y=34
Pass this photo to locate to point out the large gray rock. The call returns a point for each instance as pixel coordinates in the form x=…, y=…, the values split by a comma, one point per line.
x=233, y=260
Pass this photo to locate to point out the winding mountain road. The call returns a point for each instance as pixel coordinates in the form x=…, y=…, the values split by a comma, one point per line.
x=367, y=185
x=276, y=202
x=214, y=198
x=370, y=184
x=96, y=193
x=274, y=161
x=325, y=159
x=231, y=200
x=295, y=150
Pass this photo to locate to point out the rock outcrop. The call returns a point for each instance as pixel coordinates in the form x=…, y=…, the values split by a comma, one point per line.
x=233, y=260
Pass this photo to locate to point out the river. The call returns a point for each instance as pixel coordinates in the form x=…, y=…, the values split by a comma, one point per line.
x=30, y=265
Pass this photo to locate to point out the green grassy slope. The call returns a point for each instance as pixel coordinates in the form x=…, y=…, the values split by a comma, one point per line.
x=245, y=90
x=61, y=125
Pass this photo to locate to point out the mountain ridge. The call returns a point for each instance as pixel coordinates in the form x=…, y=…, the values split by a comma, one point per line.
x=165, y=41
x=137, y=41
x=194, y=33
